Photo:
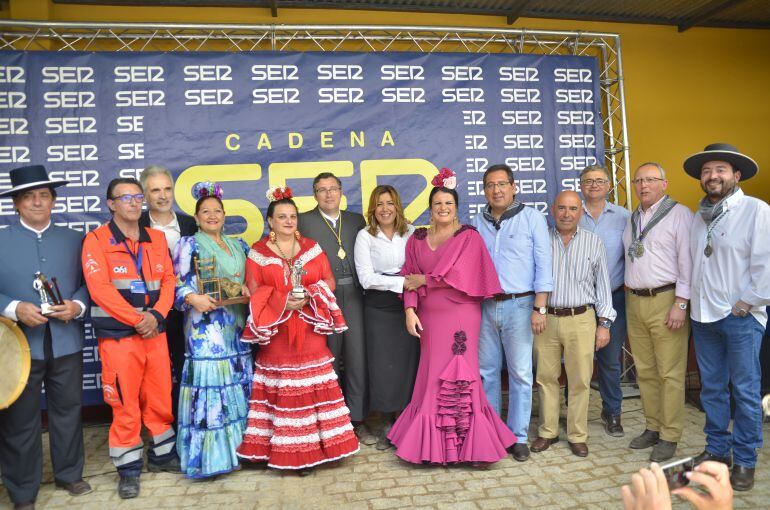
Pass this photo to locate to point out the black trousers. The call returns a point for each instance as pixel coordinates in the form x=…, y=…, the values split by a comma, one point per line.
x=21, y=442
x=349, y=351
x=177, y=343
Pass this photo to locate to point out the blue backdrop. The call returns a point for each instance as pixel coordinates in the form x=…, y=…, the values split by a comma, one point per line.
x=251, y=120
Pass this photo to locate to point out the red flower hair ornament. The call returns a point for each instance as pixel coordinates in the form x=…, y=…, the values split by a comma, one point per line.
x=445, y=179
x=279, y=193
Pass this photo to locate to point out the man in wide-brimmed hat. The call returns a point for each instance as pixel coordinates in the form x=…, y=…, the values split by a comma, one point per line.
x=32, y=244
x=729, y=292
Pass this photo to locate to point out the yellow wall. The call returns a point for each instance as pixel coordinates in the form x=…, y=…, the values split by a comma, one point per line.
x=683, y=91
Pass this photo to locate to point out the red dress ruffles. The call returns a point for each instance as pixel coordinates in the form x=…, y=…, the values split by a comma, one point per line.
x=297, y=414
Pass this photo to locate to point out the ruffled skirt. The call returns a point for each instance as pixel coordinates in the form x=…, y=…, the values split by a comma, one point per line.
x=297, y=415
x=213, y=404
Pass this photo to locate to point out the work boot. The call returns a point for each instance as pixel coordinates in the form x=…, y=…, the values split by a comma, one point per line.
x=128, y=487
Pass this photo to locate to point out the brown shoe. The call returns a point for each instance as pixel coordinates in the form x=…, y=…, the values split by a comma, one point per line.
x=579, y=449
x=542, y=443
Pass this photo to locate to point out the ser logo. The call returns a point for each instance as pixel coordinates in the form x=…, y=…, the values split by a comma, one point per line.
x=120, y=270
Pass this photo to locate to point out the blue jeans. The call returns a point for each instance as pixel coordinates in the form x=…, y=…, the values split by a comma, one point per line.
x=608, y=358
x=728, y=353
x=506, y=329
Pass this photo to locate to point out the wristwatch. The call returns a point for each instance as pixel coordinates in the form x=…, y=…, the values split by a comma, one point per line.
x=682, y=306
x=540, y=309
x=740, y=312
x=605, y=323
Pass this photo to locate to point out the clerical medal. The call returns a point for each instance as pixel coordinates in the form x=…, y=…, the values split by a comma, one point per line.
x=639, y=250
x=708, y=250
x=341, y=253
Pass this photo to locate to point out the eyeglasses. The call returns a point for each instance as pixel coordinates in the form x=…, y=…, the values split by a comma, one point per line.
x=647, y=180
x=492, y=185
x=591, y=182
x=331, y=191
x=127, y=198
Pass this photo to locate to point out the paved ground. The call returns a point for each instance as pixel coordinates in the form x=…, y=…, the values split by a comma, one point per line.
x=378, y=480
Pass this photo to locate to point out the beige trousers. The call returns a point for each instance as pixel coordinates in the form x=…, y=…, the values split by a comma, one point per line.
x=575, y=336
x=660, y=357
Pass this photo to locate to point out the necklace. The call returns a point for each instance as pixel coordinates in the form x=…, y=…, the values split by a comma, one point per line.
x=288, y=260
x=338, y=235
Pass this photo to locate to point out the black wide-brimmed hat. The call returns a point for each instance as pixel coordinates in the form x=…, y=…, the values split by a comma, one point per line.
x=30, y=177
x=721, y=152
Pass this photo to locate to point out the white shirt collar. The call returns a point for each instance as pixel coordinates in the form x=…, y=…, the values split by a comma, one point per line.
x=333, y=220
x=38, y=232
x=174, y=223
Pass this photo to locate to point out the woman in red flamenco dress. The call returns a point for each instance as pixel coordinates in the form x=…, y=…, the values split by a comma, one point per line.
x=297, y=415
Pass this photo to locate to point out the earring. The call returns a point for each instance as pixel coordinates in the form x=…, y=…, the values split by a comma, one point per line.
x=297, y=235
x=272, y=236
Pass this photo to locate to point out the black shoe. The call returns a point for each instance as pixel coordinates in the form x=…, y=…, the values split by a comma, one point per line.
x=728, y=461
x=128, y=487
x=363, y=434
x=172, y=466
x=76, y=488
x=664, y=450
x=645, y=440
x=29, y=505
x=521, y=451
x=612, y=425
x=742, y=478
x=305, y=472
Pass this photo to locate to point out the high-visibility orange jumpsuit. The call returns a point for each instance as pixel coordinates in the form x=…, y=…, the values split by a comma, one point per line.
x=136, y=373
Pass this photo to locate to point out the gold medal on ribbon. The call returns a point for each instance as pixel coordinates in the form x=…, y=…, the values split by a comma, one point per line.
x=708, y=250
x=639, y=250
x=341, y=253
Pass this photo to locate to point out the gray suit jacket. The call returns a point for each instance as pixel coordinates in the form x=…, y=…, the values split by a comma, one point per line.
x=313, y=225
x=55, y=254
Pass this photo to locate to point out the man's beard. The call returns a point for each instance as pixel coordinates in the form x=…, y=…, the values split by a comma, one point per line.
x=725, y=190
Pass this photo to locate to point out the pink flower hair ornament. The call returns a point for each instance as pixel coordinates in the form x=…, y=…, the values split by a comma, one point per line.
x=279, y=193
x=445, y=179
x=207, y=189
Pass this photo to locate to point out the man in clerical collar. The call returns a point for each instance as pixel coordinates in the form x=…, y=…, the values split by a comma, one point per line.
x=658, y=267
x=335, y=231
x=131, y=280
x=158, y=186
x=517, y=238
x=608, y=221
x=28, y=246
x=730, y=290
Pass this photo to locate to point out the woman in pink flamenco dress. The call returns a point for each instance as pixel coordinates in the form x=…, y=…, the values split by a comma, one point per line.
x=449, y=419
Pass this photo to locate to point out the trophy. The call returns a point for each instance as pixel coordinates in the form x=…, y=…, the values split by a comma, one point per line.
x=223, y=290
x=297, y=271
x=49, y=295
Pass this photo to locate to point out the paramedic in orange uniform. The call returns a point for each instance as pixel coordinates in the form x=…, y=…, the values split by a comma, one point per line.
x=131, y=280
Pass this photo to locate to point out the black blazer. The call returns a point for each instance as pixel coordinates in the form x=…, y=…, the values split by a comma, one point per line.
x=187, y=225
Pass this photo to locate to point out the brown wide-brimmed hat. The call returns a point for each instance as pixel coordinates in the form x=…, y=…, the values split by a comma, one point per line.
x=721, y=152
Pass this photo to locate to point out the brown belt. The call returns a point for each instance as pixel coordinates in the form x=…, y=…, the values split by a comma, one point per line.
x=566, y=312
x=506, y=297
x=652, y=292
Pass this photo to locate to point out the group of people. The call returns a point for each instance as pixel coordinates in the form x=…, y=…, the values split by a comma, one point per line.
x=362, y=316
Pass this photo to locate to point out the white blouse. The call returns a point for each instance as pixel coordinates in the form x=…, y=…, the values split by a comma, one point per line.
x=378, y=259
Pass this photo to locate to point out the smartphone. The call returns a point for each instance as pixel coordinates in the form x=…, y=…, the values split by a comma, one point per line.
x=674, y=472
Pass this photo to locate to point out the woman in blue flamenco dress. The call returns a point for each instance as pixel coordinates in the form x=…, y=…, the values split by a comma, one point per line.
x=216, y=379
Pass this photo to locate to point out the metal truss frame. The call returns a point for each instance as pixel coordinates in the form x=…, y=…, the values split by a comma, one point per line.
x=605, y=47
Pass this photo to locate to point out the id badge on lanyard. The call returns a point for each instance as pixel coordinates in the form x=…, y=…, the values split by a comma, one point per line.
x=137, y=286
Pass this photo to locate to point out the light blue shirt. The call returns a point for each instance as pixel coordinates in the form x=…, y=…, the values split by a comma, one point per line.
x=612, y=222
x=521, y=251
